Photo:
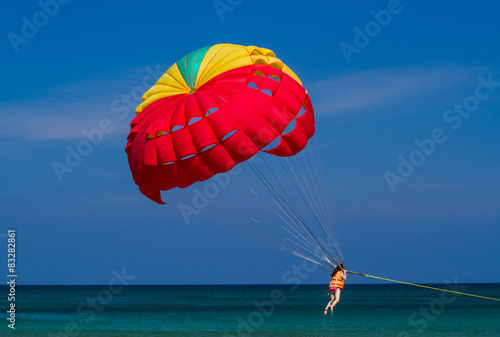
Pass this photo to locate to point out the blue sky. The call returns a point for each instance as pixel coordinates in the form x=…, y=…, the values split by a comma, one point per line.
x=83, y=62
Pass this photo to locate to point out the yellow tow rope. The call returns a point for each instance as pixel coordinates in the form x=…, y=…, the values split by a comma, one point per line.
x=422, y=286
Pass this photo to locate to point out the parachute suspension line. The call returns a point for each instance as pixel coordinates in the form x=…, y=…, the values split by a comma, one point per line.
x=260, y=238
x=327, y=225
x=422, y=286
x=309, y=202
x=274, y=193
x=229, y=225
x=321, y=223
x=267, y=185
x=309, y=259
x=324, y=187
x=314, y=254
x=316, y=209
x=300, y=224
x=245, y=194
x=304, y=240
x=298, y=191
x=299, y=235
x=278, y=181
x=262, y=183
x=318, y=245
x=214, y=213
x=321, y=177
x=322, y=171
x=310, y=206
x=295, y=185
x=294, y=207
x=306, y=248
x=234, y=207
x=253, y=201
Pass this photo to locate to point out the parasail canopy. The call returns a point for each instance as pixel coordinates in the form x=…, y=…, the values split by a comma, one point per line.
x=215, y=108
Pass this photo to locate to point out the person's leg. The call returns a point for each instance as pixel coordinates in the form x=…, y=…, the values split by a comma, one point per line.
x=329, y=303
x=337, y=298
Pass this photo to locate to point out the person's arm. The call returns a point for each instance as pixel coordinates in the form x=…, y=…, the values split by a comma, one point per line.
x=344, y=275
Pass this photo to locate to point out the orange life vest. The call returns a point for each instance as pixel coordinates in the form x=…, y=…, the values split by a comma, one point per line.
x=337, y=281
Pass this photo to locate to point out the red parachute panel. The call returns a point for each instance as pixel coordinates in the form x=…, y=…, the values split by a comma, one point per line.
x=179, y=140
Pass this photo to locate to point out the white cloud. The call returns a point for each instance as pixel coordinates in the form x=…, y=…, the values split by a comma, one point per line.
x=64, y=112
x=382, y=88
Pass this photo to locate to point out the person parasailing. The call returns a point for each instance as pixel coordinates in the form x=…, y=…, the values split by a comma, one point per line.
x=338, y=278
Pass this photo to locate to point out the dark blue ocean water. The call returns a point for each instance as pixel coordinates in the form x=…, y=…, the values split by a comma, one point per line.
x=268, y=310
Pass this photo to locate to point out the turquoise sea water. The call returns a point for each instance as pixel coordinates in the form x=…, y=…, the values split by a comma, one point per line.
x=264, y=310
